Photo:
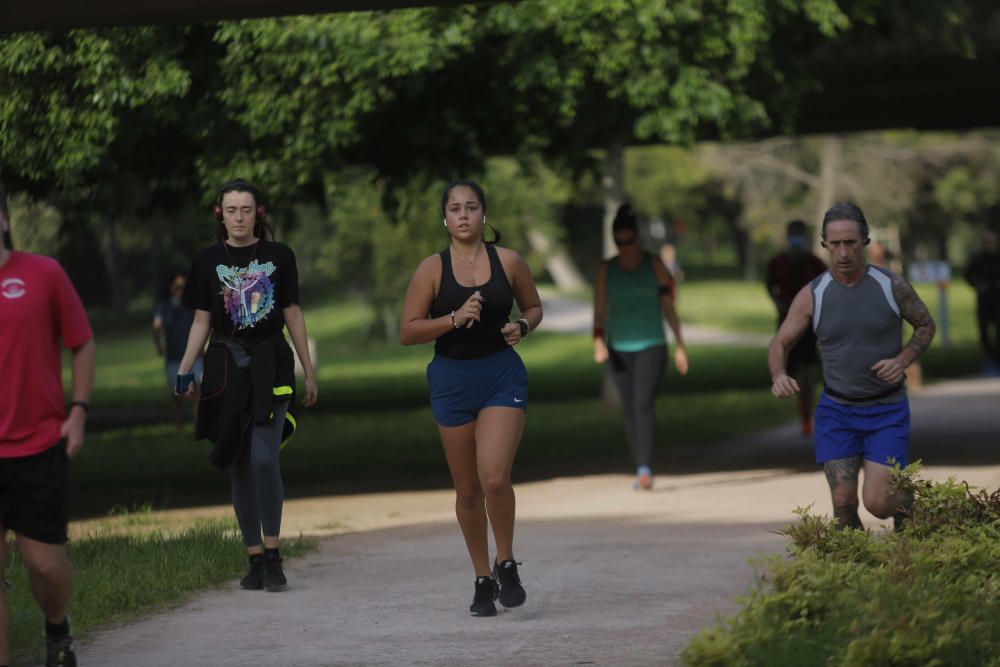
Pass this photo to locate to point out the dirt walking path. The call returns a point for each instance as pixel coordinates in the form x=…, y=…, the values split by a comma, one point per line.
x=613, y=576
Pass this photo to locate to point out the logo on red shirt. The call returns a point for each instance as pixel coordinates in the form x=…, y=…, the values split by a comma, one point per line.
x=13, y=288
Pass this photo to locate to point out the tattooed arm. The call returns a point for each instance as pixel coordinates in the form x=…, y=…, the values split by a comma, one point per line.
x=915, y=312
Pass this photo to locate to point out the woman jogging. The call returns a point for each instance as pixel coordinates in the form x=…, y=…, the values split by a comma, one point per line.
x=245, y=291
x=633, y=291
x=461, y=299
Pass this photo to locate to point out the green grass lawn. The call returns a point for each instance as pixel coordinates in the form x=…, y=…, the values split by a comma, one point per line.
x=162, y=567
x=373, y=423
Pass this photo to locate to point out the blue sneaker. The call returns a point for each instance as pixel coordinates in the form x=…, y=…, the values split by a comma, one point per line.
x=643, y=479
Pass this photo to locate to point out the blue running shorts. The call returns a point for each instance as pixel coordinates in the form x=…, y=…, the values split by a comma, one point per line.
x=878, y=432
x=460, y=388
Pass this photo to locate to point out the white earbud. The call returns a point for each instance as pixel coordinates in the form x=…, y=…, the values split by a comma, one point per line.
x=445, y=221
x=484, y=218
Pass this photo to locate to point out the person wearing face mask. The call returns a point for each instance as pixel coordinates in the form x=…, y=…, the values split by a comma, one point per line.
x=171, y=324
x=787, y=273
x=633, y=292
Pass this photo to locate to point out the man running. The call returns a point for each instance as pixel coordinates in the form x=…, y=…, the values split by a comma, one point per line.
x=39, y=309
x=787, y=273
x=856, y=311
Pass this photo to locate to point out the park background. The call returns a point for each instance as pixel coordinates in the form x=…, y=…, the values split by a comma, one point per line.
x=113, y=142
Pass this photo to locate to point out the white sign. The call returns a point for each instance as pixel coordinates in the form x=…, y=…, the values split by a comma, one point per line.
x=930, y=272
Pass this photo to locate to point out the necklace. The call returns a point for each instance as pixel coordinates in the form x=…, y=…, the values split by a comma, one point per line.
x=466, y=259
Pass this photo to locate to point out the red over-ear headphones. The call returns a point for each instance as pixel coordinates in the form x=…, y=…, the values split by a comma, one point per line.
x=238, y=185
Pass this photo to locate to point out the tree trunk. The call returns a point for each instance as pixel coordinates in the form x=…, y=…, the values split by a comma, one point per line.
x=111, y=254
x=158, y=271
x=829, y=165
x=557, y=262
x=744, y=249
x=613, y=185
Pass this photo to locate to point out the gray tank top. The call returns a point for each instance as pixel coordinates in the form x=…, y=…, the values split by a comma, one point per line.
x=857, y=326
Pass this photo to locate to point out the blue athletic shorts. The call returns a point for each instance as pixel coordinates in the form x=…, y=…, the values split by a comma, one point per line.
x=877, y=432
x=460, y=388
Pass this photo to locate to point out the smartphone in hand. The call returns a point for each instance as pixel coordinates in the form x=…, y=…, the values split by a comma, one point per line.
x=184, y=381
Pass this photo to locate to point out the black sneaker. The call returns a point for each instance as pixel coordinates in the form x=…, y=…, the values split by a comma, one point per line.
x=511, y=591
x=60, y=652
x=254, y=579
x=486, y=593
x=274, y=576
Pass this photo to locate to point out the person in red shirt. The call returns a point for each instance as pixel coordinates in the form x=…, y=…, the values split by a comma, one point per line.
x=787, y=273
x=39, y=311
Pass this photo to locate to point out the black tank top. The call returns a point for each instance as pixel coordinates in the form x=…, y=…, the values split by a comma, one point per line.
x=483, y=338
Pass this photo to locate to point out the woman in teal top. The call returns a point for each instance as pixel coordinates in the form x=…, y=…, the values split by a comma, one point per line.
x=632, y=294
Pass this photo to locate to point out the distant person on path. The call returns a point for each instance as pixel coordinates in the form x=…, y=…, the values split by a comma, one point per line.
x=787, y=273
x=856, y=311
x=244, y=291
x=668, y=255
x=171, y=324
x=461, y=299
x=983, y=273
x=633, y=292
x=40, y=312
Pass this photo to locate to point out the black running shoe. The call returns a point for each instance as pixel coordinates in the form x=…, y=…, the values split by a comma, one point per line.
x=511, y=591
x=254, y=579
x=274, y=576
x=486, y=593
x=60, y=652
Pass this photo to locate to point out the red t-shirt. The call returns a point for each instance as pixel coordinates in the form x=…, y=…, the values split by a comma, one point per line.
x=38, y=308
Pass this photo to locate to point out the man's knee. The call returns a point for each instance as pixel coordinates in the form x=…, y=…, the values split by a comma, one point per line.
x=844, y=495
x=49, y=564
x=881, y=505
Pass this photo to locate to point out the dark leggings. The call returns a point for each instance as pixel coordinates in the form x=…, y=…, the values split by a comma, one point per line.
x=637, y=375
x=988, y=314
x=255, y=481
x=255, y=477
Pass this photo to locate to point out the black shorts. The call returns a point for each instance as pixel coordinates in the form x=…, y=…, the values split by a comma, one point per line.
x=803, y=353
x=34, y=495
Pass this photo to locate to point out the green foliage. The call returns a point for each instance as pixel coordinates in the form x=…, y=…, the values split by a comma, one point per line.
x=925, y=596
x=65, y=97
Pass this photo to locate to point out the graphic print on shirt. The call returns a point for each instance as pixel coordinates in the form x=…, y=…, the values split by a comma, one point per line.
x=247, y=292
x=13, y=288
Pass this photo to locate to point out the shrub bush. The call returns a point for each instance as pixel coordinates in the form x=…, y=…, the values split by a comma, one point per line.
x=927, y=596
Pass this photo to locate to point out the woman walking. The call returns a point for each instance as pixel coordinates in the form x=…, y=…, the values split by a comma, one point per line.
x=244, y=290
x=461, y=299
x=632, y=293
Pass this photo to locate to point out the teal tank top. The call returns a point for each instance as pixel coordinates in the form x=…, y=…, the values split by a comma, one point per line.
x=635, y=321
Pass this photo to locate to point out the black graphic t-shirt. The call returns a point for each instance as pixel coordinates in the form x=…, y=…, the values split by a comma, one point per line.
x=245, y=289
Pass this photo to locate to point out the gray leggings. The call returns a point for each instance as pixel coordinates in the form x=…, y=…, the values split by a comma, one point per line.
x=637, y=375
x=255, y=477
